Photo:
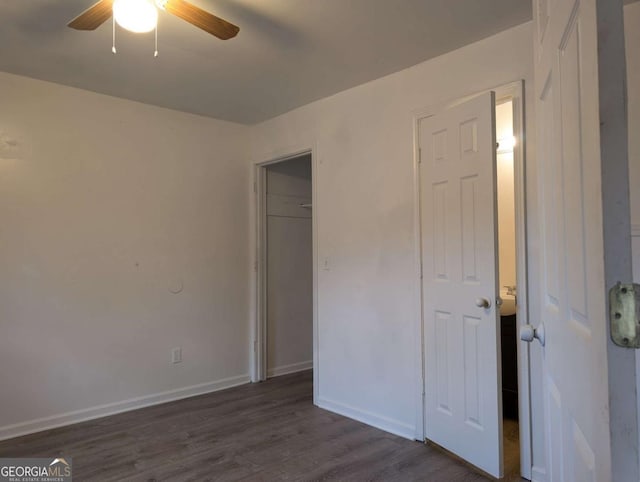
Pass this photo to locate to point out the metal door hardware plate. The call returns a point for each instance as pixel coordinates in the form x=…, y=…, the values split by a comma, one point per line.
x=624, y=312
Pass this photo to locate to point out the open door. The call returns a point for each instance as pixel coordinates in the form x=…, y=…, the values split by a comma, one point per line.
x=573, y=328
x=463, y=407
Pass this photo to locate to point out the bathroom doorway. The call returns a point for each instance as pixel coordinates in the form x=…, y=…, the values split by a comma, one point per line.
x=471, y=197
x=507, y=276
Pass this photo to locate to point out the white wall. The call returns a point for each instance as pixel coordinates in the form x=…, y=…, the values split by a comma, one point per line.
x=368, y=304
x=106, y=206
x=289, y=267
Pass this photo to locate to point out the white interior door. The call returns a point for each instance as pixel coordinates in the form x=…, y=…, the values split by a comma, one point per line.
x=572, y=291
x=463, y=407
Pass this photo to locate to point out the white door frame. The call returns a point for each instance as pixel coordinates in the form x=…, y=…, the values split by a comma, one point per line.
x=258, y=347
x=515, y=92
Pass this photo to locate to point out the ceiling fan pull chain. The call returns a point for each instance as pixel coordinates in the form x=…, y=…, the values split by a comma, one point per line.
x=155, y=54
x=113, y=47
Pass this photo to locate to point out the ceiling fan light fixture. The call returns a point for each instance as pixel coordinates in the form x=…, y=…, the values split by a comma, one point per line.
x=137, y=16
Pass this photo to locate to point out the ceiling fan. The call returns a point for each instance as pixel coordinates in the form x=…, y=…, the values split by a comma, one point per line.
x=142, y=16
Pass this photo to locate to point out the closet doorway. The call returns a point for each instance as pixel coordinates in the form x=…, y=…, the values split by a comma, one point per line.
x=284, y=341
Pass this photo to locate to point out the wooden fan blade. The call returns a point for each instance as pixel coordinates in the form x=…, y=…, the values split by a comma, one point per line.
x=202, y=19
x=94, y=16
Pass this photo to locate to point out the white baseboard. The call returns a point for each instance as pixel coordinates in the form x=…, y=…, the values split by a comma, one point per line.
x=69, y=418
x=378, y=421
x=538, y=474
x=286, y=369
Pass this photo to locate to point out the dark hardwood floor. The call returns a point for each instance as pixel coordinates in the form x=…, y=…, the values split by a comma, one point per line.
x=264, y=432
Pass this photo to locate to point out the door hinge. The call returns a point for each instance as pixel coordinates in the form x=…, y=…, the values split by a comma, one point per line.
x=624, y=313
x=421, y=275
x=419, y=155
x=255, y=187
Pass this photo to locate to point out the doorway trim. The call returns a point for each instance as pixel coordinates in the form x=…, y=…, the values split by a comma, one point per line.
x=515, y=92
x=258, y=347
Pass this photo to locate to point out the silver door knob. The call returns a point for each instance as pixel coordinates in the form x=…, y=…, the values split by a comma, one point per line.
x=528, y=333
x=483, y=303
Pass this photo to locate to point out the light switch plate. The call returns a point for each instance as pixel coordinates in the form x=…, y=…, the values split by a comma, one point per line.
x=176, y=355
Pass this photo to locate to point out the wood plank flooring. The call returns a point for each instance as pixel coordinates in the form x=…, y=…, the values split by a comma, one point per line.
x=264, y=432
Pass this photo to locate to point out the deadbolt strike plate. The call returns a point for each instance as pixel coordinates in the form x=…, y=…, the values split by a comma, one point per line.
x=624, y=312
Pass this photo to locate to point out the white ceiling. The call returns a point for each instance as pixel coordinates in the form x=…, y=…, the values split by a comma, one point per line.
x=288, y=52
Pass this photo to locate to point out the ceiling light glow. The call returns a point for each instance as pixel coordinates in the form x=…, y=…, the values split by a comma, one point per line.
x=137, y=16
x=506, y=144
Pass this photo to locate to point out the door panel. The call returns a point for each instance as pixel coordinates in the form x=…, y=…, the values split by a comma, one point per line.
x=572, y=285
x=463, y=411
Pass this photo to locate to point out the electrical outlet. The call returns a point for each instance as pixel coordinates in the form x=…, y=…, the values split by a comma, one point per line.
x=176, y=355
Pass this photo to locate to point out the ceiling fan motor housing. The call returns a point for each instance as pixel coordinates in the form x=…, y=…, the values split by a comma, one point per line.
x=102, y=11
